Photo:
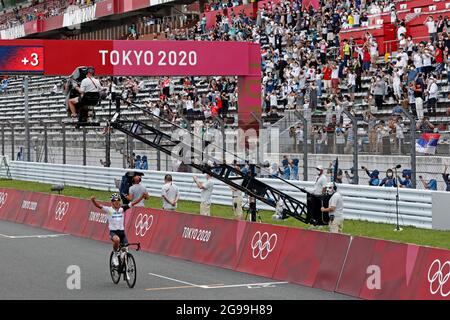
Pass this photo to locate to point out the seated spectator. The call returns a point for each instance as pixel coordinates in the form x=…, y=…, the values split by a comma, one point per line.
x=54, y=90
x=132, y=32
x=4, y=85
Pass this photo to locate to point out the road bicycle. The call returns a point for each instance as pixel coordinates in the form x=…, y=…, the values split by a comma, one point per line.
x=127, y=265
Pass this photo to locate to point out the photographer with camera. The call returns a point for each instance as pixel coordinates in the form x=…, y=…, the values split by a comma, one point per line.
x=335, y=208
x=374, y=179
x=89, y=90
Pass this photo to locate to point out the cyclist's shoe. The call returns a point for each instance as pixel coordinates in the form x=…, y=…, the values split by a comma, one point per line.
x=115, y=260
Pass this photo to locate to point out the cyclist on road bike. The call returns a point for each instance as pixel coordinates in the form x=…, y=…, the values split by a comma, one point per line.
x=116, y=218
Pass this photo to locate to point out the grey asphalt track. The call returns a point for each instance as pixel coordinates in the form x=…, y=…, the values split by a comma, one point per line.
x=35, y=268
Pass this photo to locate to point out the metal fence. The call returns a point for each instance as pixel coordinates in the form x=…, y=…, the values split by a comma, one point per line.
x=375, y=204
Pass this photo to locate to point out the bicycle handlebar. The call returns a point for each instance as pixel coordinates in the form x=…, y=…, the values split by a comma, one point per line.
x=137, y=244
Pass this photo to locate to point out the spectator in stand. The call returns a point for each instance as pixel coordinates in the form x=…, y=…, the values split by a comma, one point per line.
x=424, y=125
x=379, y=91
x=432, y=30
x=432, y=92
x=4, y=85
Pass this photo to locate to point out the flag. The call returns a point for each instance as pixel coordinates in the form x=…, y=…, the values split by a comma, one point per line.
x=335, y=170
x=427, y=143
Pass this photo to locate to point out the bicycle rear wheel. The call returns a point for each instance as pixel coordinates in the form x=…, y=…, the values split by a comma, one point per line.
x=115, y=274
x=130, y=272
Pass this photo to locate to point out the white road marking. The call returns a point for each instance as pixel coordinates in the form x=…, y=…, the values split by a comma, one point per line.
x=172, y=279
x=248, y=285
x=35, y=236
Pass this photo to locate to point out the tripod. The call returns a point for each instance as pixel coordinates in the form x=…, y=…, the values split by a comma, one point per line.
x=253, y=211
x=397, y=228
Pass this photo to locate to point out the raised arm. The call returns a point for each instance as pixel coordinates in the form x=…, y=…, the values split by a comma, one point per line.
x=198, y=183
x=93, y=200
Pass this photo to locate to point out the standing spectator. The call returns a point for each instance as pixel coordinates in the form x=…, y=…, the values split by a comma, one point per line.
x=418, y=95
x=432, y=91
x=169, y=193
x=327, y=70
x=340, y=139
x=399, y=133
x=137, y=191
x=432, y=30
x=379, y=90
x=206, y=193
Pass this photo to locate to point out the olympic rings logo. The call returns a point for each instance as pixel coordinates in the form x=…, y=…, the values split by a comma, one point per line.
x=61, y=210
x=143, y=223
x=439, y=278
x=3, y=196
x=262, y=244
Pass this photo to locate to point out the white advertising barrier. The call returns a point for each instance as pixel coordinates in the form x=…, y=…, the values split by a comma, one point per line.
x=377, y=204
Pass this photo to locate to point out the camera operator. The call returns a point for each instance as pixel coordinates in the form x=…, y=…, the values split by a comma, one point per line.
x=335, y=208
x=88, y=85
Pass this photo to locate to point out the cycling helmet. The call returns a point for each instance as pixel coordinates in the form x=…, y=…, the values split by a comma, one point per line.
x=115, y=197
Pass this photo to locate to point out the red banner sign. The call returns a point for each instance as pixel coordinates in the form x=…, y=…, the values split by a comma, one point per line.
x=312, y=258
x=10, y=200
x=261, y=249
x=33, y=209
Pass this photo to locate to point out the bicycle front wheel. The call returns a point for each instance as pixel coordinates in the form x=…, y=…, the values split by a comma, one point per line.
x=130, y=272
x=115, y=274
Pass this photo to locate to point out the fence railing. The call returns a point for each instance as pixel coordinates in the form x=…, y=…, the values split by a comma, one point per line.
x=376, y=204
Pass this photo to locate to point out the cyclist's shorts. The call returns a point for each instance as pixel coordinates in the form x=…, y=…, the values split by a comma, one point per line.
x=120, y=234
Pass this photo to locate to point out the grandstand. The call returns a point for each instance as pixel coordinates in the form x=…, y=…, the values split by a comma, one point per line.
x=247, y=22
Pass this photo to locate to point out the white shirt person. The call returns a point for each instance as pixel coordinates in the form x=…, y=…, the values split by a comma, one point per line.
x=169, y=194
